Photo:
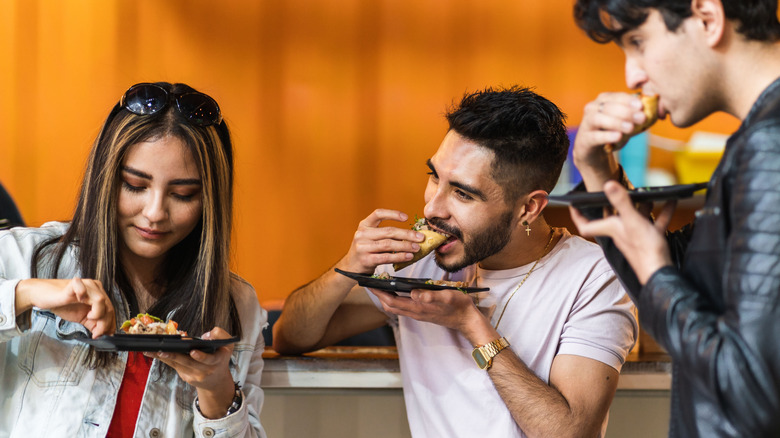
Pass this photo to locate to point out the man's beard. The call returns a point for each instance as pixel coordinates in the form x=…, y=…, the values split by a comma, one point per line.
x=482, y=245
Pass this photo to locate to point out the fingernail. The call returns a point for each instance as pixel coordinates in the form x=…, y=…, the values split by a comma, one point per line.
x=636, y=103
x=639, y=117
x=404, y=216
x=415, y=247
x=626, y=126
x=206, y=335
x=420, y=235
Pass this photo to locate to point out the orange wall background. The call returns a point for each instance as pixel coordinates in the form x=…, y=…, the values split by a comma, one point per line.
x=334, y=105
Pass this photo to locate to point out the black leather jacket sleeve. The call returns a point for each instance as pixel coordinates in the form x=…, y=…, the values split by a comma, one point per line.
x=725, y=342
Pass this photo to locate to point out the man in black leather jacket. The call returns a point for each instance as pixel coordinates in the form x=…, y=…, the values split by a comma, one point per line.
x=710, y=293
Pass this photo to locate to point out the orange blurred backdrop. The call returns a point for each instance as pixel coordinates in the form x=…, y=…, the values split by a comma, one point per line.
x=334, y=105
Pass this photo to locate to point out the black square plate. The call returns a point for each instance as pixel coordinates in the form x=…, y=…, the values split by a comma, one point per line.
x=167, y=343
x=641, y=194
x=402, y=285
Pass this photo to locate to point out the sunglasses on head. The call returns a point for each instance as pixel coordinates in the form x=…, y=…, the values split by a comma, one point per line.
x=145, y=99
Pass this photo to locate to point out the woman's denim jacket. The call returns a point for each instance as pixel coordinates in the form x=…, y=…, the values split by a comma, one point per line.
x=47, y=390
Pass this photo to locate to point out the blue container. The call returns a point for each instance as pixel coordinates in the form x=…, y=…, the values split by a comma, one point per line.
x=574, y=174
x=633, y=158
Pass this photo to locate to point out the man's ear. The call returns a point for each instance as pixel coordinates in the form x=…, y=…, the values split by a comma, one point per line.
x=712, y=19
x=533, y=206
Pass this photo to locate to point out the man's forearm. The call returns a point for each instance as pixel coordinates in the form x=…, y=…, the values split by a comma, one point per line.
x=538, y=408
x=308, y=311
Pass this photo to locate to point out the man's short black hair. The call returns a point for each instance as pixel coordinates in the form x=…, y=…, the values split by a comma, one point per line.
x=755, y=19
x=525, y=131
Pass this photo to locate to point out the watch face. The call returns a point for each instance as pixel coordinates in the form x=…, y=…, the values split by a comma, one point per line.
x=479, y=358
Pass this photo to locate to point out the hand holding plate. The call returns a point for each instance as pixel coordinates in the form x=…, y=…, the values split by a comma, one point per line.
x=448, y=308
x=641, y=241
x=208, y=373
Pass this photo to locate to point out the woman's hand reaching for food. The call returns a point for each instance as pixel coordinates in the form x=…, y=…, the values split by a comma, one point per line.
x=82, y=301
x=208, y=373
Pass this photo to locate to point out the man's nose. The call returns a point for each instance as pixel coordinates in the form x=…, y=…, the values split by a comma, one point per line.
x=635, y=74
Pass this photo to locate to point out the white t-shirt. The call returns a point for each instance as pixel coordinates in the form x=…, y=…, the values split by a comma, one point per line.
x=572, y=303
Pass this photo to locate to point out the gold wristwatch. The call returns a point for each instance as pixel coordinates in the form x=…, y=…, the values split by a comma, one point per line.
x=483, y=355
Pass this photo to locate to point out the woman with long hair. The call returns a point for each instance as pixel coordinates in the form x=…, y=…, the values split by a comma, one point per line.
x=150, y=234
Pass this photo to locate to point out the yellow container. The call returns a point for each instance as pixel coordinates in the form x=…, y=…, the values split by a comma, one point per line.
x=695, y=166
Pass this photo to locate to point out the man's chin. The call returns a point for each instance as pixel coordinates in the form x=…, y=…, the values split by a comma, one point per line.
x=449, y=266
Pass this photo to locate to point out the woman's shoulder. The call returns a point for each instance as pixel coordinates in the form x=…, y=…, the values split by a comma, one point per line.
x=31, y=236
x=243, y=293
x=239, y=286
x=253, y=317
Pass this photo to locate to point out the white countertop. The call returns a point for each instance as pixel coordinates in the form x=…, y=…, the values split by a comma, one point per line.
x=377, y=368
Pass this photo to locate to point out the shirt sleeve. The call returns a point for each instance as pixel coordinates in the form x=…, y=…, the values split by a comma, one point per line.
x=602, y=324
x=16, y=247
x=10, y=325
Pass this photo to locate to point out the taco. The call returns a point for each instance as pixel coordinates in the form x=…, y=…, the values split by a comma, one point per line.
x=433, y=240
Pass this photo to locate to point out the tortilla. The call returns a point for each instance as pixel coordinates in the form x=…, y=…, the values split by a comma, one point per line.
x=650, y=108
x=432, y=241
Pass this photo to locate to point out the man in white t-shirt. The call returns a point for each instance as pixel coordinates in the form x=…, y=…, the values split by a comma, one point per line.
x=539, y=354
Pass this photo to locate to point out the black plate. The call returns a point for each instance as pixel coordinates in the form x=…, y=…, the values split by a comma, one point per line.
x=641, y=194
x=403, y=285
x=168, y=343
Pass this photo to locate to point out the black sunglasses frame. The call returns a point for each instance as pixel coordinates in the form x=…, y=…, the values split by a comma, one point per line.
x=147, y=98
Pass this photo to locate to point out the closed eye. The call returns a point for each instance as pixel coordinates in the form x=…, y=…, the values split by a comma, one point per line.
x=131, y=188
x=185, y=198
x=463, y=195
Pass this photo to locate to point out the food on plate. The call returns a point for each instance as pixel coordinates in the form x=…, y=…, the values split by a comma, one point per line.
x=456, y=284
x=650, y=108
x=460, y=285
x=433, y=240
x=145, y=324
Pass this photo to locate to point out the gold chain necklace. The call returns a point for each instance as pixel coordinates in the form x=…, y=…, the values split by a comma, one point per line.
x=552, y=234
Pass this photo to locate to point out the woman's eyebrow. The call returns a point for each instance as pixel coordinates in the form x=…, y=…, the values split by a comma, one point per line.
x=136, y=172
x=175, y=182
x=185, y=182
